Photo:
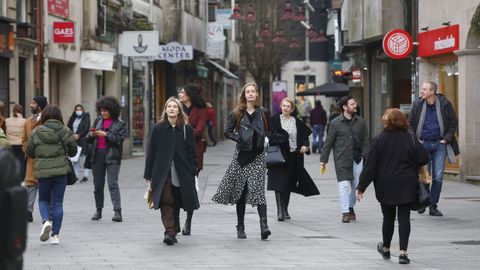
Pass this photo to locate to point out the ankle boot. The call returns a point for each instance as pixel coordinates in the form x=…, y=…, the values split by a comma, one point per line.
x=264, y=231
x=117, y=216
x=98, y=214
x=279, y=206
x=241, y=232
x=187, y=227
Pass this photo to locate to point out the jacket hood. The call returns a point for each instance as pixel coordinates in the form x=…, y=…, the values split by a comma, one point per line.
x=48, y=132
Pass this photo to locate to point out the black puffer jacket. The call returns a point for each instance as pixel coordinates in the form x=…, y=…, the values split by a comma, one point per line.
x=243, y=134
x=115, y=135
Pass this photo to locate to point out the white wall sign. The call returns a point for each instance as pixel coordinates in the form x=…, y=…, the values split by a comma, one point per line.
x=215, y=41
x=97, y=60
x=175, y=52
x=142, y=45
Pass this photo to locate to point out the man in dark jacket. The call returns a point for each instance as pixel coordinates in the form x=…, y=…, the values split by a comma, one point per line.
x=318, y=120
x=434, y=121
x=348, y=137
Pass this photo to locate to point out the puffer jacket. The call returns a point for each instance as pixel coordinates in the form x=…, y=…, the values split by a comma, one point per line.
x=4, y=143
x=45, y=147
x=116, y=133
x=243, y=134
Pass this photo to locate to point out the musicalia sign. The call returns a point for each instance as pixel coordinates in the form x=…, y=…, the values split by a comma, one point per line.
x=175, y=52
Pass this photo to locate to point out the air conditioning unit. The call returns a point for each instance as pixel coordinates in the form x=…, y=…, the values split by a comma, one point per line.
x=212, y=13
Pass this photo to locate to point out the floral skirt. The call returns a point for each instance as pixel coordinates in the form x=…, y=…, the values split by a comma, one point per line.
x=235, y=179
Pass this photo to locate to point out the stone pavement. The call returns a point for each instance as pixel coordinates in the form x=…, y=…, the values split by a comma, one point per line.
x=313, y=239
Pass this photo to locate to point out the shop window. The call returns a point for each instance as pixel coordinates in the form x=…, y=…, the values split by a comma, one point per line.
x=193, y=7
x=125, y=97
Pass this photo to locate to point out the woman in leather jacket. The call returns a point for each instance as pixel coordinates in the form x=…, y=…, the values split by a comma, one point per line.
x=244, y=181
x=106, y=138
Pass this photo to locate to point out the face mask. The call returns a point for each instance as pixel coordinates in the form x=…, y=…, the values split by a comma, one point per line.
x=78, y=113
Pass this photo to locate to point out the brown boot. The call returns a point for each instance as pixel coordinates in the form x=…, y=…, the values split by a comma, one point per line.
x=346, y=218
x=351, y=215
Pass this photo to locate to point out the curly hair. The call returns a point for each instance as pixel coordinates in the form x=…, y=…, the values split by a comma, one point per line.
x=394, y=119
x=194, y=92
x=110, y=104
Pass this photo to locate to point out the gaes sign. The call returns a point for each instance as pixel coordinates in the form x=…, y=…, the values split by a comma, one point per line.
x=63, y=32
x=397, y=44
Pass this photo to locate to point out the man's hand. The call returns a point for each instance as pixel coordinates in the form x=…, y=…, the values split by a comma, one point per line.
x=358, y=194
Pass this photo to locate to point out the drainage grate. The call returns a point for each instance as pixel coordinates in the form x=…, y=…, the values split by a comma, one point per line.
x=319, y=237
x=467, y=242
x=208, y=203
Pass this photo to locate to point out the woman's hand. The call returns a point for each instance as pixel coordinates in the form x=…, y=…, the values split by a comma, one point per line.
x=100, y=133
x=149, y=181
x=76, y=136
x=358, y=194
x=303, y=149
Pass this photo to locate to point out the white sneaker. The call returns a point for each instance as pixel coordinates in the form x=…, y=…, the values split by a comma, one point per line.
x=46, y=229
x=55, y=240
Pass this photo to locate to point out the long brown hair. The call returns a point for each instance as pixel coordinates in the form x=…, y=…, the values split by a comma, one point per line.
x=182, y=118
x=242, y=102
x=17, y=109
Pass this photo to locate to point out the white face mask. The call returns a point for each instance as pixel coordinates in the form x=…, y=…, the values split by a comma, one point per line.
x=78, y=113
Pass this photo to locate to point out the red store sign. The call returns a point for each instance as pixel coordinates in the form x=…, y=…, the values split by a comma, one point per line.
x=63, y=32
x=58, y=8
x=397, y=44
x=439, y=41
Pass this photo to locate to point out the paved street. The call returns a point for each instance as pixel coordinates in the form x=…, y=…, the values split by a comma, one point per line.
x=313, y=239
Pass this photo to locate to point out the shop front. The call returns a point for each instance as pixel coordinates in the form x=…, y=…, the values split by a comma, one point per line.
x=6, y=52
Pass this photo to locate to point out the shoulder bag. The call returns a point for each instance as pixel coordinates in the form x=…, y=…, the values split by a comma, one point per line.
x=422, y=198
x=274, y=156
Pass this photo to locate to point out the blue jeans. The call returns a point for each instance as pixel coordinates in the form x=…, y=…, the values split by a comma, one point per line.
x=317, y=136
x=437, y=153
x=50, y=200
x=346, y=189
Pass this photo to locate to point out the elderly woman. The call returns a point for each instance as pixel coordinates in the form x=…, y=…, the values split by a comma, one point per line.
x=106, y=137
x=392, y=165
x=291, y=134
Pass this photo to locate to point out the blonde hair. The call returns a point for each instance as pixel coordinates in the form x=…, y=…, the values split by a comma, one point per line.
x=182, y=118
x=289, y=100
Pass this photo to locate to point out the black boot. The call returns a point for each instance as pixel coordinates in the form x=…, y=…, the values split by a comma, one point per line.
x=98, y=214
x=264, y=231
x=278, y=199
x=188, y=224
x=241, y=232
x=176, y=219
x=117, y=216
x=285, y=202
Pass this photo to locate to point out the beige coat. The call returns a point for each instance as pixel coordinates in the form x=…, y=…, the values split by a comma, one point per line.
x=30, y=125
x=15, y=126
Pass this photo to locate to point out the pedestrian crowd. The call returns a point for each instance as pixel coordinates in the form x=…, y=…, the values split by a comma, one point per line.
x=268, y=155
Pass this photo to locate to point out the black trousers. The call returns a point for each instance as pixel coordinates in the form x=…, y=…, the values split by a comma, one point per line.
x=240, y=207
x=389, y=213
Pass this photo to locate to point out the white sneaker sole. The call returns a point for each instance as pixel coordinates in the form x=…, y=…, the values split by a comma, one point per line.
x=46, y=230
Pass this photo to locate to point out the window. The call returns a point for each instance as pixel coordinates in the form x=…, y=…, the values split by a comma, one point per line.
x=156, y=3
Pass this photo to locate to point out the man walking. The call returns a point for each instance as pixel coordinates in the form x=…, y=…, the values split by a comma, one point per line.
x=318, y=120
x=434, y=121
x=31, y=183
x=348, y=137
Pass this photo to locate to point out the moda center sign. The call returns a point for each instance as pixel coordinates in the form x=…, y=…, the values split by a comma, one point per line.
x=439, y=41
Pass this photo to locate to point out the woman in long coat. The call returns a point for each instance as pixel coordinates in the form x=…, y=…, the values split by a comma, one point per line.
x=195, y=107
x=392, y=165
x=170, y=166
x=291, y=134
x=244, y=181
x=79, y=124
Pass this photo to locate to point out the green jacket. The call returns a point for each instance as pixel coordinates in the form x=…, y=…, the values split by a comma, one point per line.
x=3, y=140
x=340, y=140
x=45, y=147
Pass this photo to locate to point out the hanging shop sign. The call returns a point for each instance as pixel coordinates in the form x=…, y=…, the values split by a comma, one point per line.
x=356, y=75
x=64, y=32
x=141, y=45
x=97, y=60
x=175, y=52
x=439, y=41
x=58, y=8
x=397, y=44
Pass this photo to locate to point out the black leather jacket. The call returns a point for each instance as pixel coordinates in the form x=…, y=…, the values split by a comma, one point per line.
x=116, y=133
x=244, y=134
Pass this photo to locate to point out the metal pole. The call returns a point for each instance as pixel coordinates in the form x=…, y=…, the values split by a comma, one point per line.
x=307, y=44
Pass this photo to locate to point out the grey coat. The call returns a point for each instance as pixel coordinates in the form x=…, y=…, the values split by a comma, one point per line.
x=339, y=138
x=169, y=144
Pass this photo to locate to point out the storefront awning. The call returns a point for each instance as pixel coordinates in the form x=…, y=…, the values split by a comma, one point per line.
x=98, y=60
x=224, y=70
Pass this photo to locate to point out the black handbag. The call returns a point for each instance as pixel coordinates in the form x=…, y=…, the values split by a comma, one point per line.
x=274, y=156
x=422, y=198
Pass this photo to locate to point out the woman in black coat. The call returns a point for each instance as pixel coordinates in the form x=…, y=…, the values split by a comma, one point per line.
x=79, y=124
x=291, y=134
x=170, y=166
x=393, y=164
